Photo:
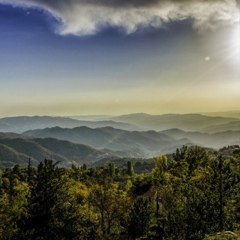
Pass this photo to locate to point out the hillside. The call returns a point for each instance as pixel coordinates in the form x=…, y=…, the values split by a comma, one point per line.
x=18, y=151
x=10, y=157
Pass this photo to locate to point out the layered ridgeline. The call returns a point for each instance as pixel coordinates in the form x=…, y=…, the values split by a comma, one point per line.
x=19, y=150
x=186, y=122
x=93, y=138
x=84, y=145
x=149, y=141
x=24, y=123
x=130, y=122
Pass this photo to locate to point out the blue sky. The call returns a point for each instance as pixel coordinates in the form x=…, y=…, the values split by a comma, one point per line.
x=113, y=57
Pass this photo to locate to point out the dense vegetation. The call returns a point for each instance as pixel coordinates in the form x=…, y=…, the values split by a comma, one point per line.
x=194, y=195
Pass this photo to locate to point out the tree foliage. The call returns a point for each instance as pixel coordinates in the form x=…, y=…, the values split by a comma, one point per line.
x=196, y=195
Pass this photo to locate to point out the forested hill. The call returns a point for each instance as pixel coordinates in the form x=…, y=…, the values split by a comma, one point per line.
x=18, y=150
x=193, y=196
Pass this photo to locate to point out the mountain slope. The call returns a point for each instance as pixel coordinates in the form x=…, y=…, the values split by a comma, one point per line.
x=19, y=150
x=29, y=147
x=71, y=151
x=10, y=157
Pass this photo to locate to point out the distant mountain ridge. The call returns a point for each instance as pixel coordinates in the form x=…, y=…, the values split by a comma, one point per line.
x=186, y=122
x=231, y=126
x=131, y=122
x=213, y=140
x=148, y=143
x=133, y=135
x=232, y=114
x=24, y=123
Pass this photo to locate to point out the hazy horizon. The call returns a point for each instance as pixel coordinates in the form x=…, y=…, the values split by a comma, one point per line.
x=66, y=58
x=106, y=116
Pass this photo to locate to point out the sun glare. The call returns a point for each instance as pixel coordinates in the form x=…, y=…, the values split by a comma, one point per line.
x=235, y=42
x=235, y=37
x=229, y=42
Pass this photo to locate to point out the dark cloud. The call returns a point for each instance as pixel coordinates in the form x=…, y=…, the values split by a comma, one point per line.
x=81, y=17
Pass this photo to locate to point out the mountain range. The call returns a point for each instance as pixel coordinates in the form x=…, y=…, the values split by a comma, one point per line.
x=90, y=138
x=150, y=142
x=23, y=123
x=186, y=122
x=147, y=143
x=130, y=122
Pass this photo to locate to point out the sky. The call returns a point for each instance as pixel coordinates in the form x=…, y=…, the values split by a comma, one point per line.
x=86, y=57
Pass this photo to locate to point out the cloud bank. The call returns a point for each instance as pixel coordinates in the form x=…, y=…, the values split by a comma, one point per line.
x=85, y=17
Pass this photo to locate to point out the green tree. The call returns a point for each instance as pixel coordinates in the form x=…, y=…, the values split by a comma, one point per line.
x=130, y=170
x=140, y=217
x=188, y=202
x=110, y=204
x=112, y=168
x=40, y=223
x=159, y=172
x=13, y=207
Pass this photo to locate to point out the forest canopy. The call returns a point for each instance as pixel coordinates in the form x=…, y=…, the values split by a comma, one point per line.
x=193, y=195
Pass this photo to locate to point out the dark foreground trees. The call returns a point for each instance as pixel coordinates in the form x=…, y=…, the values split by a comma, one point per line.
x=140, y=217
x=196, y=195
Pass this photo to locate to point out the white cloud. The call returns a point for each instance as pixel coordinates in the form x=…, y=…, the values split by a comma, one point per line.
x=81, y=17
